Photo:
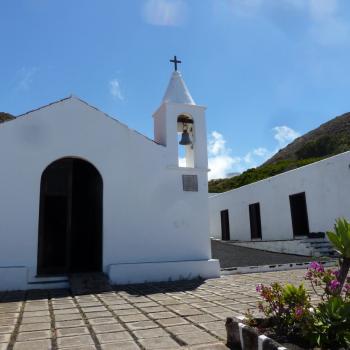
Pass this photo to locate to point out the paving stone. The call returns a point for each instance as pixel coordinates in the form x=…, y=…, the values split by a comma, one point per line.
x=188, y=311
x=8, y=322
x=9, y=315
x=123, y=345
x=147, y=304
x=94, y=309
x=36, y=307
x=36, y=313
x=4, y=338
x=160, y=315
x=63, y=306
x=98, y=314
x=153, y=309
x=80, y=340
x=34, y=335
x=121, y=307
x=71, y=323
x=194, y=338
x=35, y=327
x=151, y=333
x=175, y=321
x=44, y=344
x=66, y=311
x=127, y=312
x=159, y=343
x=214, y=346
x=3, y=346
x=85, y=347
x=141, y=325
x=186, y=328
x=64, y=332
x=228, y=313
x=134, y=318
x=168, y=301
x=102, y=320
x=39, y=319
x=109, y=327
x=89, y=304
x=220, y=333
x=213, y=325
x=203, y=304
x=6, y=329
x=68, y=317
x=113, y=337
x=201, y=318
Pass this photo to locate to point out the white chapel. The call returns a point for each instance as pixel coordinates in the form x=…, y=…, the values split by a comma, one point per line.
x=81, y=192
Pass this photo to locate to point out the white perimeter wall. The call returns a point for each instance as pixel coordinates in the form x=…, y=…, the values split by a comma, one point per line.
x=147, y=217
x=327, y=188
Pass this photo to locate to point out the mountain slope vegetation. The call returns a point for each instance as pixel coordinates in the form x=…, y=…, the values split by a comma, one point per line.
x=330, y=138
x=4, y=117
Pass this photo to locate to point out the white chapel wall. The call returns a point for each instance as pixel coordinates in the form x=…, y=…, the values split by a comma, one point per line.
x=325, y=183
x=147, y=217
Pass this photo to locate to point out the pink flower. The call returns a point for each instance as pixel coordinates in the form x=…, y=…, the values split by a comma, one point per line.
x=346, y=289
x=259, y=288
x=333, y=285
x=299, y=312
x=316, y=266
x=336, y=273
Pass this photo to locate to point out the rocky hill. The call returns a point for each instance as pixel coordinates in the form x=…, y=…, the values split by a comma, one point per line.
x=4, y=117
x=330, y=138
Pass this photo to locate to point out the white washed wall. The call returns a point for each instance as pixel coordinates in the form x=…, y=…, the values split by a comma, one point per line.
x=146, y=215
x=325, y=183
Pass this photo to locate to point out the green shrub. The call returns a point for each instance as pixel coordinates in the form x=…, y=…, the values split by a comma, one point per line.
x=330, y=326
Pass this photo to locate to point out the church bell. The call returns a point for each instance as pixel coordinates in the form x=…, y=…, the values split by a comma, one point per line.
x=185, y=139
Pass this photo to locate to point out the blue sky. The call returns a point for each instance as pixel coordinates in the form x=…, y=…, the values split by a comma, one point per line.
x=268, y=70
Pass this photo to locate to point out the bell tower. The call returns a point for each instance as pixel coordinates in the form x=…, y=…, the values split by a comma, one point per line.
x=179, y=125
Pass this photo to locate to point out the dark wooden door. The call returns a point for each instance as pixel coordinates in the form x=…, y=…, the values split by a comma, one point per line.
x=225, y=225
x=255, y=221
x=298, y=210
x=70, y=222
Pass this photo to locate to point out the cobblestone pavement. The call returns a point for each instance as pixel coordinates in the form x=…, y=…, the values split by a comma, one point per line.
x=231, y=255
x=187, y=315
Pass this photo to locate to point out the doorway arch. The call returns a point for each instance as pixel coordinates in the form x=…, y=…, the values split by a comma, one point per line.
x=70, y=218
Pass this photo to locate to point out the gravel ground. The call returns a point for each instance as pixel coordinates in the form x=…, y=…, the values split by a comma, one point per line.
x=235, y=256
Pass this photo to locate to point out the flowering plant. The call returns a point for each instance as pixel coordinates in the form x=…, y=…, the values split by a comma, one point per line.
x=325, y=283
x=288, y=306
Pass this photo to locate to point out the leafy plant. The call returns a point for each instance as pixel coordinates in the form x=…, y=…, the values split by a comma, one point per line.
x=340, y=239
x=330, y=327
x=287, y=306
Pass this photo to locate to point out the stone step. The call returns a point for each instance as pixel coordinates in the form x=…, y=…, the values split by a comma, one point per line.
x=89, y=283
x=314, y=240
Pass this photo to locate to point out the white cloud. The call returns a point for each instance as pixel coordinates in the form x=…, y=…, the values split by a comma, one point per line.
x=25, y=78
x=114, y=89
x=219, y=156
x=165, y=12
x=284, y=135
x=222, y=161
x=216, y=144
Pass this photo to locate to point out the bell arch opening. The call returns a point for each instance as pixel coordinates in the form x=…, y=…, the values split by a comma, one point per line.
x=185, y=136
x=70, y=218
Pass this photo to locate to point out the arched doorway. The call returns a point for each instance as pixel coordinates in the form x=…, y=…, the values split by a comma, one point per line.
x=70, y=221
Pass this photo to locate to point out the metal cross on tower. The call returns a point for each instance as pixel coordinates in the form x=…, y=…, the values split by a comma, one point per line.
x=175, y=61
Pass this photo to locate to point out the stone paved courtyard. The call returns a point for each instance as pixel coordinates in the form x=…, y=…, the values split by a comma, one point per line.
x=187, y=315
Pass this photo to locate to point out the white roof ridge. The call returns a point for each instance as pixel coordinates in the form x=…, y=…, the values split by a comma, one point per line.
x=177, y=90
